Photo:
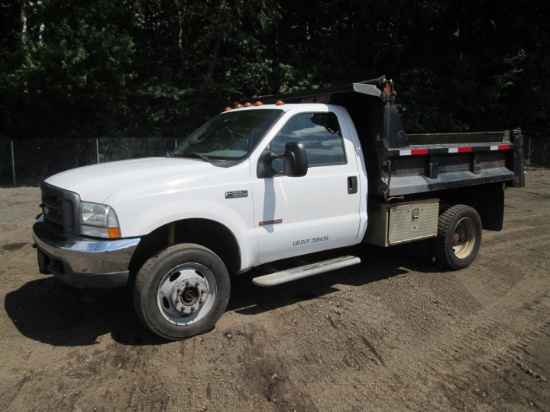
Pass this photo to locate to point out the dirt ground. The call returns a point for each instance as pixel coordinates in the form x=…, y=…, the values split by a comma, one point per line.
x=394, y=333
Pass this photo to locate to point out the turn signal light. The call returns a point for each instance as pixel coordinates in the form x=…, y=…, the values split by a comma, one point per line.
x=114, y=232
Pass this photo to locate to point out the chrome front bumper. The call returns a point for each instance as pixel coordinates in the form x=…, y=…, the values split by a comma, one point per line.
x=84, y=262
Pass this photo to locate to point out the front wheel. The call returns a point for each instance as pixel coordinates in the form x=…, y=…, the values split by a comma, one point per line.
x=182, y=291
x=458, y=237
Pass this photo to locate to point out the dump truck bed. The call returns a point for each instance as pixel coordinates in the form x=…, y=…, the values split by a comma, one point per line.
x=481, y=158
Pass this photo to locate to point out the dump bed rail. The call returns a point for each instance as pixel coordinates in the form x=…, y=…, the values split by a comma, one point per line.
x=419, y=168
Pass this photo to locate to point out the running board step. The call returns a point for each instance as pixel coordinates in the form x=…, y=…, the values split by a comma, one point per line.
x=300, y=272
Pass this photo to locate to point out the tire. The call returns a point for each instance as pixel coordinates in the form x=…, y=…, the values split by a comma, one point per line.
x=458, y=237
x=182, y=291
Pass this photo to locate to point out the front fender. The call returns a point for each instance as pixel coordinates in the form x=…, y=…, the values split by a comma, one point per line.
x=236, y=214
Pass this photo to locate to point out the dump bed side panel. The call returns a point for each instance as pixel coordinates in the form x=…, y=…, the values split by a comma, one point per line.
x=426, y=168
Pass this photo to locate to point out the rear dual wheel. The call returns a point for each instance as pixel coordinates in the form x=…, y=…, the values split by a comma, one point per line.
x=458, y=237
x=182, y=291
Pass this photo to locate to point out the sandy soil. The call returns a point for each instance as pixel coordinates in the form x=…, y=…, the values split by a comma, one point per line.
x=394, y=333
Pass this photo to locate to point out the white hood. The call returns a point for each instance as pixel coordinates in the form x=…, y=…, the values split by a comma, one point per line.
x=96, y=183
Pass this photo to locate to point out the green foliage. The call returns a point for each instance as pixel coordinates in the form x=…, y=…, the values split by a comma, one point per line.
x=74, y=69
x=70, y=68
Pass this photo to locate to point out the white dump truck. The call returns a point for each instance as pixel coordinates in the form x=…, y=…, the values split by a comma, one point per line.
x=273, y=178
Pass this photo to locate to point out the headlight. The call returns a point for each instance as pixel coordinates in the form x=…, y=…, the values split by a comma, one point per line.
x=98, y=220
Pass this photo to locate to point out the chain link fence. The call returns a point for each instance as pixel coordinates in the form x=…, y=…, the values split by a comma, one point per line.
x=537, y=152
x=28, y=162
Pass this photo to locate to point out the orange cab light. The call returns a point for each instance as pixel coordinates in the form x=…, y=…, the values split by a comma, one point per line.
x=238, y=106
x=247, y=104
x=258, y=103
x=279, y=102
x=227, y=109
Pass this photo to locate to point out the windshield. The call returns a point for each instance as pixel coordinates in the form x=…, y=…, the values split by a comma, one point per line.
x=229, y=136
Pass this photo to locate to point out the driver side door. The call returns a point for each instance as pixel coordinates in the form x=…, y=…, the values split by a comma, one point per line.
x=319, y=211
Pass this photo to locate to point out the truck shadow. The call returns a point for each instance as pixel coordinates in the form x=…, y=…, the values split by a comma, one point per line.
x=51, y=312
x=376, y=264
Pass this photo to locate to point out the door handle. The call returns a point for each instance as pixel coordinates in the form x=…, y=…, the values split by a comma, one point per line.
x=352, y=185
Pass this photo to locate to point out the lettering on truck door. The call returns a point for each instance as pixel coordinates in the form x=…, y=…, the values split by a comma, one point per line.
x=319, y=211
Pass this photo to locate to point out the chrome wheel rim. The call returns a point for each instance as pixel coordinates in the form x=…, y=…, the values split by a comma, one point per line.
x=186, y=294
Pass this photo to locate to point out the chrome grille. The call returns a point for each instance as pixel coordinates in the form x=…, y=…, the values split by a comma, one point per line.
x=59, y=207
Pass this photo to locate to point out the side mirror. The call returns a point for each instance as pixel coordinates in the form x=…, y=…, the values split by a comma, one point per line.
x=295, y=159
x=295, y=162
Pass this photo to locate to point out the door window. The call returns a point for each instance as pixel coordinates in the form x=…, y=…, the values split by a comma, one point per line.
x=319, y=132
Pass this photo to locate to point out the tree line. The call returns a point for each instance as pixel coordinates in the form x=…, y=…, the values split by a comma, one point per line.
x=74, y=68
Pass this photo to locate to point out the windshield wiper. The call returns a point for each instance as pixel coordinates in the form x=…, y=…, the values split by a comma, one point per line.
x=200, y=155
x=196, y=155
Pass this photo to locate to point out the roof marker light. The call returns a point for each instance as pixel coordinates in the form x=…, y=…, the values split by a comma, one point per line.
x=238, y=106
x=227, y=109
x=247, y=104
x=279, y=102
x=258, y=103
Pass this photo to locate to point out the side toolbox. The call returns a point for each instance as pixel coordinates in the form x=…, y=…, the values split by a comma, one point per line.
x=391, y=224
